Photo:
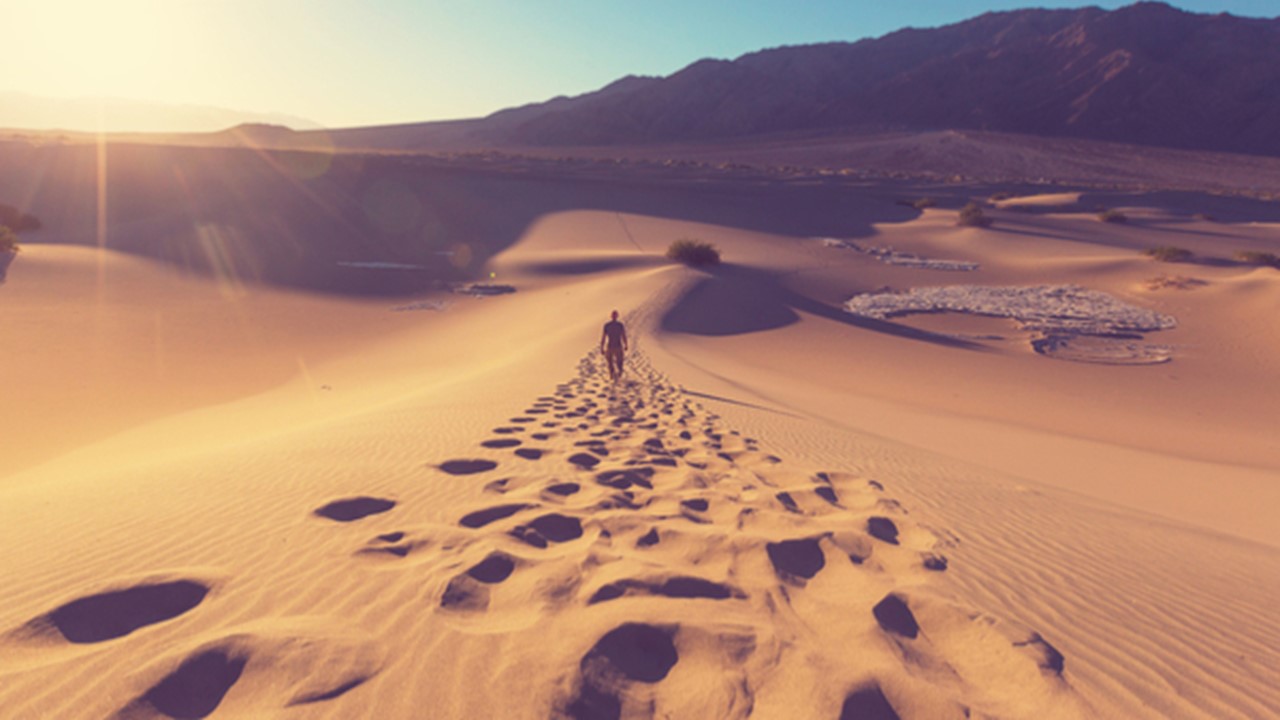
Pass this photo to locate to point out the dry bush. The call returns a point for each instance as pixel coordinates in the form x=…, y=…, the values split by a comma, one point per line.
x=1253, y=257
x=1113, y=216
x=1168, y=253
x=8, y=241
x=693, y=252
x=971, y=215
x=17, y=220
x=918, y=203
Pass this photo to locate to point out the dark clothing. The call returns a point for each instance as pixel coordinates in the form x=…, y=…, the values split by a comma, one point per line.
x=615, y=334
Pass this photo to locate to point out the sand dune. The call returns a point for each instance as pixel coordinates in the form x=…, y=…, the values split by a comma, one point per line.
x=783, y=510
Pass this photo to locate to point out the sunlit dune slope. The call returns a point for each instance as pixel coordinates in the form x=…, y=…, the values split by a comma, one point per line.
x=782, y=511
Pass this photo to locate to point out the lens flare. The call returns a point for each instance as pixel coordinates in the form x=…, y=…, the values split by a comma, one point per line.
x=217, y=244
x=461, y=256
x=305, y=156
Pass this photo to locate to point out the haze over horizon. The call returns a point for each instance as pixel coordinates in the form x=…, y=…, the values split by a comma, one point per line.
x=339, y=66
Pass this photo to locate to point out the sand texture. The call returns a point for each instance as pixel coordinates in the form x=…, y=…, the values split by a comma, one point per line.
x=223, y=498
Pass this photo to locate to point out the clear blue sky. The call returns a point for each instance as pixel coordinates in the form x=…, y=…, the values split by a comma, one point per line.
x=362, y=62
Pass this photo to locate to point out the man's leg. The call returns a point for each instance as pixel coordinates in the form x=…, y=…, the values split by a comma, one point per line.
x=615, y=363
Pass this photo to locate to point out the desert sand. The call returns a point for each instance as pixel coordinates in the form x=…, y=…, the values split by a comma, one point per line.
x=232, y=499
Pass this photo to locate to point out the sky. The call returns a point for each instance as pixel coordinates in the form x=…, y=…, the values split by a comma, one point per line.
x=343, y=63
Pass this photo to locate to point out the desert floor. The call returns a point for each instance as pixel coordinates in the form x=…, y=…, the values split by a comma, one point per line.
x=228, y=500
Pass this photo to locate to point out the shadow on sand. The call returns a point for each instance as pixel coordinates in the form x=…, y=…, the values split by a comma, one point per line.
x=739, y=299
x=377, y=225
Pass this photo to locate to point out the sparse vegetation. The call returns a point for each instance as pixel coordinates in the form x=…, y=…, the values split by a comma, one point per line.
x=8, y=241
x=971, y=215
x=1253, y=257
x=16, y=220
x=694, y=252
x=1001, y=196
x=1113, y=216
x=1168, y=253
x=919, y=203
x=1174, y=282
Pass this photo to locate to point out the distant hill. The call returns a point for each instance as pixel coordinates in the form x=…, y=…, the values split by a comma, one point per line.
x=1148, y=74
x=22, y=110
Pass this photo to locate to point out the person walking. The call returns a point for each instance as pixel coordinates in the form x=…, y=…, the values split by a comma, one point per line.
x=613, y=343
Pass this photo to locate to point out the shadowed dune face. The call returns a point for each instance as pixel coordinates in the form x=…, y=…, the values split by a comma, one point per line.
x=249, y=216
x=739, y=299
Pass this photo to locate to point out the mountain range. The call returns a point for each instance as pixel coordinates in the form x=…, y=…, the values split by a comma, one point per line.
x=1147, y=74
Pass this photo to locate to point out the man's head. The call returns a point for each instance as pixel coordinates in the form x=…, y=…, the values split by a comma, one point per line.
x=615, y=314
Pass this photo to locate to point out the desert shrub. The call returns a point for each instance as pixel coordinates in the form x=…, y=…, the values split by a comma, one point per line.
x=1113, y=216
x=919, y=203
x=971, y=215
x=16, y=220
x=1253, y=257
x=693, y=252
x=1001, y=196
x=1168, y=253
x=8, y=241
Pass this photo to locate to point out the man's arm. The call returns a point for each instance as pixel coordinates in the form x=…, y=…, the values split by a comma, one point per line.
x=604, y=335
x=624, y=339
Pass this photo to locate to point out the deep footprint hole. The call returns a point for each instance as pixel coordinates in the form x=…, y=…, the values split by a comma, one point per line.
x=868, y=703
x=894, y=616
x=467, y=466
x=480, y=518
x=197, y=687
x=800, y=558
x=638, y=652
x=882, y=528
x=558, y=528
x=493, y=569
x=351, y=509
x=117, y=613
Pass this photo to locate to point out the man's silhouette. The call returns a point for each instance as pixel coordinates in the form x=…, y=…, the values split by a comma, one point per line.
x=613, y=343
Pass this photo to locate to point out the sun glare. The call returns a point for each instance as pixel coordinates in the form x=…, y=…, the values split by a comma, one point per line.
x=89, y=48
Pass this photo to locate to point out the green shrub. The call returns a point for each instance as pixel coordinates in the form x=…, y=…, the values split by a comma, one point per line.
x=1168, y=253
x=8, y=241
x=1113, y=216
x=971, y=215
x=1253, y=257
x=693, y=252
